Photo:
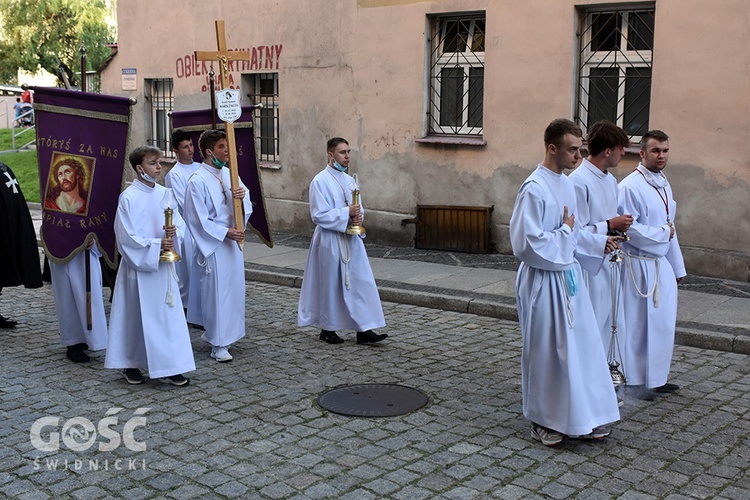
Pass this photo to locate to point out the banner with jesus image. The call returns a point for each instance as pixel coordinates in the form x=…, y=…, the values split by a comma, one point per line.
x=82, y=141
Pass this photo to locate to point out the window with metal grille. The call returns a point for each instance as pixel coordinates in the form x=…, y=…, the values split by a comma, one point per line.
x=160, y=103
x=456, y=79
x=264, y=89
x=614, y=71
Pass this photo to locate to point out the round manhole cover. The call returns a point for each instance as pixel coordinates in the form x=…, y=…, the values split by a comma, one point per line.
x=372, y=400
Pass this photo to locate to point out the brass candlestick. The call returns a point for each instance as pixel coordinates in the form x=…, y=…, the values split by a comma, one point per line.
x=169, y=255
x=355, y=228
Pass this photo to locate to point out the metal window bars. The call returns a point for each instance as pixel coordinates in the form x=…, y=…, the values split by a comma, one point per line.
x=265, y=90
x=456, y=81
x=160, y=96
x=614, y=71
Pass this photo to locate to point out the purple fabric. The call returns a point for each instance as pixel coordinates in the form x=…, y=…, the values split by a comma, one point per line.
x=246, y=158
x=99, y=145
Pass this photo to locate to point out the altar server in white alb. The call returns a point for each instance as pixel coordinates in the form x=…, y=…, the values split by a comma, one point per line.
x=654, y=267
x=209, y=214
x=566, y=386
x=338, y=287
x=176, y=180
x=596, y=194
x=69, y=290
x=147, y=324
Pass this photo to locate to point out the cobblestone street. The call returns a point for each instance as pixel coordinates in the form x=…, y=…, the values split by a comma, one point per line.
x=253, y=428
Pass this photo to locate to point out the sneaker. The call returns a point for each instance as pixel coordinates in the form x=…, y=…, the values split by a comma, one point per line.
x=597, y=433
x=221, y=354
x=548, y=437
x=176, y=380
x=370, y=337
x=330, y=337
x=133, y=376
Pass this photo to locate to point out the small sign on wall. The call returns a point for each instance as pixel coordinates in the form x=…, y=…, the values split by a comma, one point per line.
x=129, y=79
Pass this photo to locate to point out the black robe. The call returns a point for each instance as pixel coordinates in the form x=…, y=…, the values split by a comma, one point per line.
x=19, y=252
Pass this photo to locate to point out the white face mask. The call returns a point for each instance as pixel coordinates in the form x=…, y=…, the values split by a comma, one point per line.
x=147, y=177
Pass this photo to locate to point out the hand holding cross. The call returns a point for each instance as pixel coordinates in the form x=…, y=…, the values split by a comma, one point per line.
x=223, y=56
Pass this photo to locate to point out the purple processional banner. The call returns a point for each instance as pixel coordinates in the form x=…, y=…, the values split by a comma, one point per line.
x=82, y=141
x=196, y=121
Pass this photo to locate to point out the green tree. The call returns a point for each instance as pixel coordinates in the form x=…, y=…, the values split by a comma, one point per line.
x=48, y=34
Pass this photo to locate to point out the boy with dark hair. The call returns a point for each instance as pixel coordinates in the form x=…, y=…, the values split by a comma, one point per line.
x=147, y=324
x=596, y=194
x=176, y=180
x=338, y=287
x=209, y=214
x=654, y=268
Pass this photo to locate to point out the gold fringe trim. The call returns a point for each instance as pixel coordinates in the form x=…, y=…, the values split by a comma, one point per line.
x=60, y=110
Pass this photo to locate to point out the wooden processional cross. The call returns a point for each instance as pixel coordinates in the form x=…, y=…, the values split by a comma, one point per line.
x=224, y=56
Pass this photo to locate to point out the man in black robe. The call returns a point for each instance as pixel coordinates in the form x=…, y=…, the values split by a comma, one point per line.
x=19, y=254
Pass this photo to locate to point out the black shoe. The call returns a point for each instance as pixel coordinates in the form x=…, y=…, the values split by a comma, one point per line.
x=666, y=388
x=7, y=323
x=75, y=353
x=330, y=337
x=370, y=337
x=133, y=376
x=642, y=393
x=178, y=380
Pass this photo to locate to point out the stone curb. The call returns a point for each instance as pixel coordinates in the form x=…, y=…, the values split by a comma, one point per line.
x=690, y=337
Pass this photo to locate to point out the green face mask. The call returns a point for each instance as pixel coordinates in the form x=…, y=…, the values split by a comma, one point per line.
x=218, y=163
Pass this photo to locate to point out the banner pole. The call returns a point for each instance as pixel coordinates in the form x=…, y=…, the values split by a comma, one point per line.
x=211, y=92
x=88, y=289
x=89, y=323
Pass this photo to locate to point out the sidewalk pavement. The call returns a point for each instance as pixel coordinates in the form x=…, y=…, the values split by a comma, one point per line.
x=712, y=313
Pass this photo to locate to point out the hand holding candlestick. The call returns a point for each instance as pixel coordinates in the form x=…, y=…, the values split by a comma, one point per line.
x=168, y=254
x=355, y=226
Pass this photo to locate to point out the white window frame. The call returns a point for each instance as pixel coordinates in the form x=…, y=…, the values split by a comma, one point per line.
x=622, y=60
x=465, y=60
x=159, y=92
x=270, y=102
